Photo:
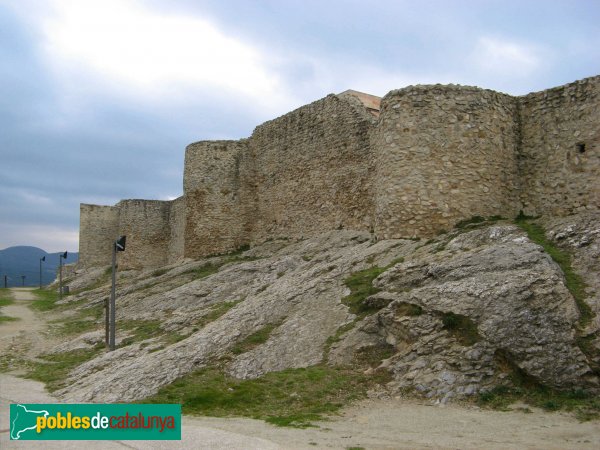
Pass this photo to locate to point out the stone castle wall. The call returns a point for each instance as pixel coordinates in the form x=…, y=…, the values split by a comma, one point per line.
x=313, y=170
x=443, y=154
x=98, y=228
x=417, y=163
x=214, y=216
x=560, y=151
x=177, y=230
x=154, y=231
x=146, y=225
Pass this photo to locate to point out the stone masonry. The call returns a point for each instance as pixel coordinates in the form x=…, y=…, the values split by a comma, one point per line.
x=411, y=164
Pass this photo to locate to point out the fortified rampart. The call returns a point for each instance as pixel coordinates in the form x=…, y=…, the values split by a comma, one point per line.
x=443, y=154
x=409, y=165
x=560, y=150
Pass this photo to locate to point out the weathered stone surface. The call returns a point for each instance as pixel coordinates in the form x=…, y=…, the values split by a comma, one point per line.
x=443, y=154
x=430, y=157
x=580, y=236
x=559, y=162
x=492, y=277
x=98, y=227
x=511, y=291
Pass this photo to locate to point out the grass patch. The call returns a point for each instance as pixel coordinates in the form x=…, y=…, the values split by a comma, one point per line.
x=54, y=372
x=254, y=340
x=527, y=389
x=84, y=320
x=76, y=326
x=6, y=300
x=228, y=258
x=461, y=327
x=337, y=336
x=141, y=330
x=404, y=309
x=373, y=355
x=573, y=281
x=586, y=345
x=237, y=252
x=472, y=221
x=293, y=397
x=159, y=272
x=4, y=318
x=204, y=271
x=215, y=312
x=476, y=220
x=361, y=287
x=104, y=279
x=46, y=300
x=585, y=405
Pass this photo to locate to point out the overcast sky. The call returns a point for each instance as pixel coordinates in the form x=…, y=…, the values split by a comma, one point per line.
x=98, y=99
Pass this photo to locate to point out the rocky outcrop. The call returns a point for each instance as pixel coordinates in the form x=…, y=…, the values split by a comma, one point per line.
x=489, y=304
x=451, y=317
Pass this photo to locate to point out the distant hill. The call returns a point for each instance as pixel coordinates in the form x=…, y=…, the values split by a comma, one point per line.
x=25, y=260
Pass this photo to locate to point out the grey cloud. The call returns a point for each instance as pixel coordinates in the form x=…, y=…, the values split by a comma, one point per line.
x=111, y=145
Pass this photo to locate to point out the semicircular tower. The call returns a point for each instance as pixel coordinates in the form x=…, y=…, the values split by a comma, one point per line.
x=443, y=154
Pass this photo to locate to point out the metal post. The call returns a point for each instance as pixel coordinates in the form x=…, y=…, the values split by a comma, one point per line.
x=60, y=290
x=23, y=280
x=5, y=281
x=112, y=298
x=42, y=259
x=106, y=322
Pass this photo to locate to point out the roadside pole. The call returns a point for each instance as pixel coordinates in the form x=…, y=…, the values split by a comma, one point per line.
x=60, y=286
x=43, y=258
x=106, y=323
x=118, y=246
x=111, y=343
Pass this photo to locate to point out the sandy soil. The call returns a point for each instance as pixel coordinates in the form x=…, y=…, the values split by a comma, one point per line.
x=27, y=336
x=376, y=424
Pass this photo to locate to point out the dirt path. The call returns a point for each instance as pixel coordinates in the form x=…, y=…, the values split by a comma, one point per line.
x=26, y=337
x=392, y=424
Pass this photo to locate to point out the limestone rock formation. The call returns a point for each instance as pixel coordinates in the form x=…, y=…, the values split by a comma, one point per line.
x=449, y=317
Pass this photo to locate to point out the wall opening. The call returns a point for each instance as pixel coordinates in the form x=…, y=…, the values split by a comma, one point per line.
x=580, y=147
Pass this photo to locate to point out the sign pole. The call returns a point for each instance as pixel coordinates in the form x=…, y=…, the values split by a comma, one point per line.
x=118, y=246
x=43, y=258
x=106, y=323
x=112, y=299
x=60, y=291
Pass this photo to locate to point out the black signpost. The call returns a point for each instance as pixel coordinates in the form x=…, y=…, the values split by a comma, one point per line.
x=42, y=259
x=60, y=286
x=119, y=246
